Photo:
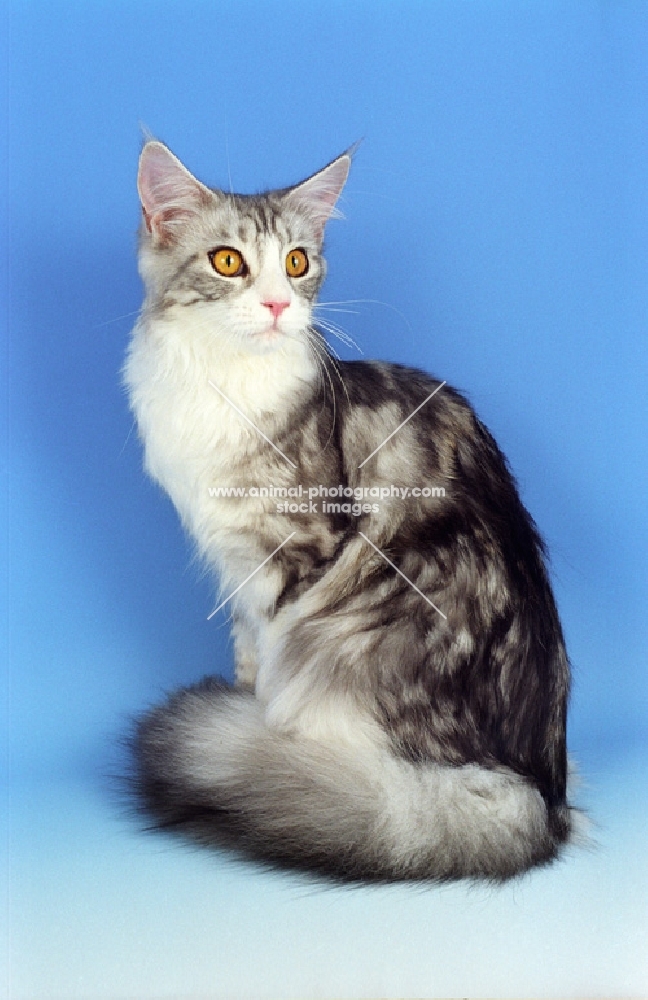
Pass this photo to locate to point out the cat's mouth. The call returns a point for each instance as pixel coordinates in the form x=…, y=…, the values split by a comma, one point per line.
x=273, y=329
x=268, y=336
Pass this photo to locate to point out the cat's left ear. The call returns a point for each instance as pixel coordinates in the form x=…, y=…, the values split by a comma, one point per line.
x=169, y=194
x=318, y=194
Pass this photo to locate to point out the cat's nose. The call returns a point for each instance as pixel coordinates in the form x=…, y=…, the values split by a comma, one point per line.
x=276, y=308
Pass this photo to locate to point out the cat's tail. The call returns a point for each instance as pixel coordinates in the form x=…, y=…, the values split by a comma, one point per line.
x=207, y=765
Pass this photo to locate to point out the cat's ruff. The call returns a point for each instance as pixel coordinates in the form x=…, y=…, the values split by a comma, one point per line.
x=369, y=738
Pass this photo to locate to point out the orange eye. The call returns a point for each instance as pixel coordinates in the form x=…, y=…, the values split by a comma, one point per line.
x=228, y=262
x=296, y=264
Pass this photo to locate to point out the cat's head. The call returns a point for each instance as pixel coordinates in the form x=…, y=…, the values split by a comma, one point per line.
x=250, y=264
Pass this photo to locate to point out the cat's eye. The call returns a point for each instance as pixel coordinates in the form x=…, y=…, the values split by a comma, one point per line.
x=296, y=263
x=228, y=262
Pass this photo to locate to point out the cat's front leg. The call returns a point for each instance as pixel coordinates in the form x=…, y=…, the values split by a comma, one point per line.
x=245, y=652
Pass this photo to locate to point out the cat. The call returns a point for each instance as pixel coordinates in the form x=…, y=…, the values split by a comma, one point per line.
x=399, y=711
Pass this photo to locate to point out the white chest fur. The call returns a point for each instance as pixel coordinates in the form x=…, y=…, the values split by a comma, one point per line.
x=191, y=392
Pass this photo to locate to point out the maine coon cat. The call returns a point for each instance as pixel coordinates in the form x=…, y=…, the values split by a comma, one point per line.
x=402, y=681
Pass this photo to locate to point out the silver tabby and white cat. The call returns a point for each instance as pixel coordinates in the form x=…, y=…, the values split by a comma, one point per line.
x=402, y=682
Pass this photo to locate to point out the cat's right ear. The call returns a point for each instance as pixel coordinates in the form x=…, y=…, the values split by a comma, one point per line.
x=169, y=194
x=318, y=194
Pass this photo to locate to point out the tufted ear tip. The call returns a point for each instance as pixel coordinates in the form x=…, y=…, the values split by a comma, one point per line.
x=169, y=194
x=318, y=194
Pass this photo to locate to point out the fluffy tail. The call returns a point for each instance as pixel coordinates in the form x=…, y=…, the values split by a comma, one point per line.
x=208, y=766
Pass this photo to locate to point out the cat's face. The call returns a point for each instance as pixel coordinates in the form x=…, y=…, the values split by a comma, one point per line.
x=250, y=266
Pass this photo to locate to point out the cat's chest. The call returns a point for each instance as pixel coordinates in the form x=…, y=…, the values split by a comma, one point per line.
x=209, y=423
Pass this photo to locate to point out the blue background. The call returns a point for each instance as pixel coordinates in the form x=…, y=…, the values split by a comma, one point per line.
x=497, y=232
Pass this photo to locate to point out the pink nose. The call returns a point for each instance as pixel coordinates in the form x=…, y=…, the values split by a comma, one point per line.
x=276, y=308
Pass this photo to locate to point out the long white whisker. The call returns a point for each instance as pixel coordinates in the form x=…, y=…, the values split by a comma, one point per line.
x=321, y=362
x=339, y=333
x=373, y=302
x=333, y=363
x=334, y=309
x=318, y=361
x=354, y=302
x=327, y=347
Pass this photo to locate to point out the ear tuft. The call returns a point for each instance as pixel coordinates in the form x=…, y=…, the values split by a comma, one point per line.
x=169, y=194
x=318, y=194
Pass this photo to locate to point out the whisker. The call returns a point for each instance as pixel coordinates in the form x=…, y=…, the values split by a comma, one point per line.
x=339, y=333
x=333, y=400
x=332, y=361
x=328, y=347
x=321, y=365
x=334, y=309
x=354, y=302
x=373, y=302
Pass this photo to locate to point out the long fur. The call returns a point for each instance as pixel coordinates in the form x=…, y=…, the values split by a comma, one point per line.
x=212, y=767
x=378, y=730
